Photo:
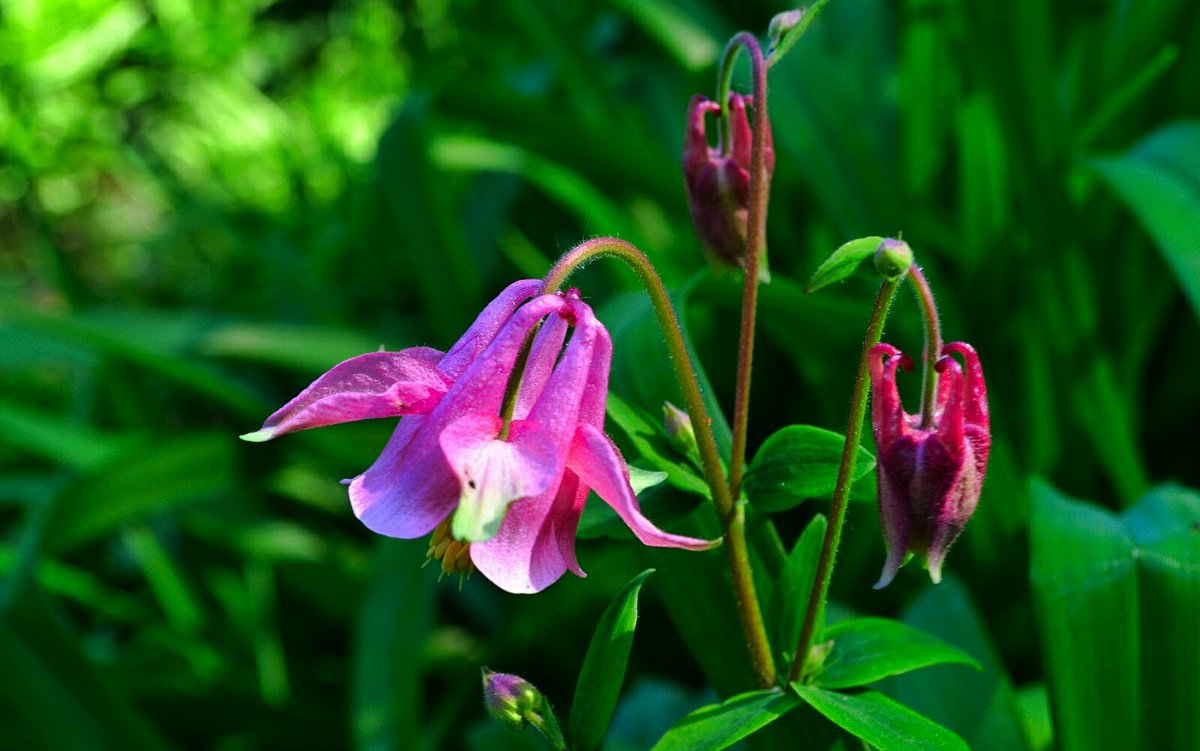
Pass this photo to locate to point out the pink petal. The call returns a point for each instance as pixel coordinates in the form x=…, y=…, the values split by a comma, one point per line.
x=486, y=325
x=547, y=346
x=377, y=384
x=896, y=523
x=536, y=542
x=411, y=488
x=408, y=503
x=493, y=473
x=888, y=419
x=600, y=466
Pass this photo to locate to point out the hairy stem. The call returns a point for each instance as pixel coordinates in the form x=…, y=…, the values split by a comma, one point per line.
x=933, y=344
x=755, y=242
x=837, y=512
x=736, y=549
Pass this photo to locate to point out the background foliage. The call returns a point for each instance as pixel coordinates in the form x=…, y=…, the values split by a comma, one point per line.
x=203, y=206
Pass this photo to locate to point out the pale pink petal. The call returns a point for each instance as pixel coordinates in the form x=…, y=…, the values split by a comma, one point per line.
x=377, y=384
x=536, y=542
x=493, y=473
x=600, y=466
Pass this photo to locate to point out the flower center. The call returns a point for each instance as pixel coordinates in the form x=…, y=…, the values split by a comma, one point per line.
x=454, y=555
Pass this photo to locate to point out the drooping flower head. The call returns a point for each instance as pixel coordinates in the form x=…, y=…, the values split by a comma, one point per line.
x=504, y=494
x=717, y=180
x=930, y=471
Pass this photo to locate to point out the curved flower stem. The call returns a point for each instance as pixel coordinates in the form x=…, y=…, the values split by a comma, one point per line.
x=841, y=493
x=755, y=239
x=736, y=549
x=933, y=344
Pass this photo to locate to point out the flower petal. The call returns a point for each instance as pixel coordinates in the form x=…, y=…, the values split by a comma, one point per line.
x=487, y=324
x=536, y=542
x=377, y=384
x=493, y=473
x=411, y=488
x=896, y=523
x=888, y=418
x=599, y=465
x=404, y=494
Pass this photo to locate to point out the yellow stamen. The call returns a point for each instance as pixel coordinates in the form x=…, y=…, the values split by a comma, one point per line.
x=454, y=555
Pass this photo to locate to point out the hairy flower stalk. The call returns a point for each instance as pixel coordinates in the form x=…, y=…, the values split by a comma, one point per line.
x=504, y=491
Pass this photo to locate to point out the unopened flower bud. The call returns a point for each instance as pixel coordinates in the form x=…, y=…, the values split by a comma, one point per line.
x=679, y=429
x=509, y=698
x=780, y=25
x=717, y=180
x=892, y=258
x=515, y=703
x=929, y=477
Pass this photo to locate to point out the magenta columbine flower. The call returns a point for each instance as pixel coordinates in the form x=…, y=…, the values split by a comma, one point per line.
x=930, y=467
x=501, y=496
x=718, y=181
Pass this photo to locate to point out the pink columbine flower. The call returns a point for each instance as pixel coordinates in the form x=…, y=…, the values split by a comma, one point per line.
x=717, y=182
x=929, y=477
x=505, y=499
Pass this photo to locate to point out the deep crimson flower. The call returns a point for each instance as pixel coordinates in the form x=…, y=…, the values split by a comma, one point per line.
x=506, y=497
x=929, y=477
x=718, y=182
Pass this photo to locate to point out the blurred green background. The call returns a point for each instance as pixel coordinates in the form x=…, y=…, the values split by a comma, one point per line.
x=205, y=205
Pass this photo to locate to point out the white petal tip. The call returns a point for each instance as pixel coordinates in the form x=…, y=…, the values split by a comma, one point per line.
x=259, y=436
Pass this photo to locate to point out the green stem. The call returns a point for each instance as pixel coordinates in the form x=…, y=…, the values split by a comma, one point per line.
x=837, y=512
x=933, y=344
x=736, y=549
x=755, y=245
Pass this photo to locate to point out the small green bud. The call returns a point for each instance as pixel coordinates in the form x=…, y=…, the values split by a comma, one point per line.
x=509, y=698
x=892, y=258
x=515, y=703
x=780, y=25
x=679, y=429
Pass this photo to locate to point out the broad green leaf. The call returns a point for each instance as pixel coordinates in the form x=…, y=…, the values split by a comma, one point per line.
x=796, y=463
x=1159, y=179
x=1118, y=599
x=866, y=650
x=603, y=670
x=851, y=258
x=1085, y=588
x=721, y=725
x=978, y=705
x=789, y=598
x=1165, y=529
x=880, y=721
x=183, y=471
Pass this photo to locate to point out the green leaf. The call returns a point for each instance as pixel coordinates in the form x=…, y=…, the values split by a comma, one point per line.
x=798, y=462
x=392, y=625
x=183, y=471
x=789, y=598
x=1085, y=589
x=721, y=725
x=866, y=650
x=603, y=671
x=978, y=705
x=1118, y=600
x=848, y=260
x=1159, y=179
x=880, y=721
x=651, y=444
